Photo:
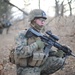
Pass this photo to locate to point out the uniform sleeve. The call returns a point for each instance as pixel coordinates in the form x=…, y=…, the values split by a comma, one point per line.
x=22, y=49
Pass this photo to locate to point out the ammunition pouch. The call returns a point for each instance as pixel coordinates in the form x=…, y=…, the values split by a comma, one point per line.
x=36, y=59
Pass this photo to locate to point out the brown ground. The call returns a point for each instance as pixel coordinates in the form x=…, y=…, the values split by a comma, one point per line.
x=64, y=27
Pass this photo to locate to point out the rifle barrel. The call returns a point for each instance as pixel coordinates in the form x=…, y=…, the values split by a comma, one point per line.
x=73, y=54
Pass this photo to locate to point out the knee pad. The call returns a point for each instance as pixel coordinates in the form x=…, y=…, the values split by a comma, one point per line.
x=52, y=65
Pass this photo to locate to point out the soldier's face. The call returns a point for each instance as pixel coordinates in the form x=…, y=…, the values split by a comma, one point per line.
x=40, y=21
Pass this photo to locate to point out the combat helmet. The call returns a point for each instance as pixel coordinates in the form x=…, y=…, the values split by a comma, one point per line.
x=37, y=13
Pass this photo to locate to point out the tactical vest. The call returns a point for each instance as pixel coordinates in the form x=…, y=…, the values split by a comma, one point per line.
x=36, y=59
x=38, y=55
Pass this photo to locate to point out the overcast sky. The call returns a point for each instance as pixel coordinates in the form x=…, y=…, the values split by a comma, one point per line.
x=46, y=5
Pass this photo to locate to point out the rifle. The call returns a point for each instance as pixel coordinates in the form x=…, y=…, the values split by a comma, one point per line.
x=51, y=40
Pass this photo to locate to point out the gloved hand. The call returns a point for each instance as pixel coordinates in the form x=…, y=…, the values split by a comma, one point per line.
x=58, y=53
x=40, y=44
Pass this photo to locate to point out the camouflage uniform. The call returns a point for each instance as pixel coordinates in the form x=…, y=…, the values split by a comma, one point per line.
x=31, y=58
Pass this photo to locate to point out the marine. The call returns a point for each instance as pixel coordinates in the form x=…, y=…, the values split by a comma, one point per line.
x=29, y=54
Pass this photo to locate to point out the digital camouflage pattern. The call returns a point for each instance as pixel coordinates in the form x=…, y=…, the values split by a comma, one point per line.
x=25, y=48
x=28, y=56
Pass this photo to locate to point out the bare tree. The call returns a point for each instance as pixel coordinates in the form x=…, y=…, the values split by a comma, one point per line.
x=59, y=8
x=26, y=2
x=70, y=7
x=15, y=6
x=39, y=4
x=3, y=7
x=62, y=8
x=56, y=7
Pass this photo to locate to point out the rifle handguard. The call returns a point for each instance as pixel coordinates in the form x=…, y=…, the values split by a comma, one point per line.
x=67, y=50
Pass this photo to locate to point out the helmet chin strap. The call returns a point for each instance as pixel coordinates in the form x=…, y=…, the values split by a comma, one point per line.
x=36, y=26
